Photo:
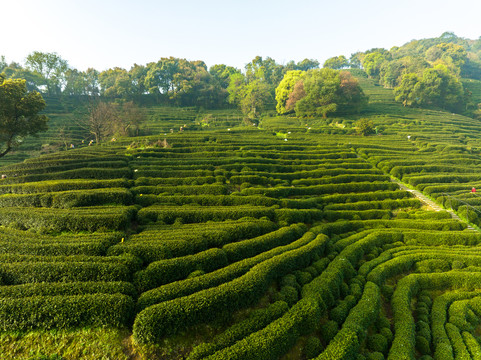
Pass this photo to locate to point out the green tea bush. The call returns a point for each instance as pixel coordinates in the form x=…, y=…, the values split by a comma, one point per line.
x=257, y=320
x=171, y=316
x=65, y=312
x=169, y=270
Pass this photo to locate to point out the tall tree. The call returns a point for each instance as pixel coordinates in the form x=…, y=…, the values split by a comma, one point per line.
x=285, y=88
x=137, y=75
x=100, y=121
x=19, y=116
x=372, y=64
x=3, y=63
x=307, y=64
x=440, y=88
x=52, y=68
x=297, y=94
x=115, y=83
x=266, y=70
x=321, y=87
x=336, y=62
x=405, y=91
x=222, y=73
x=34, y=80
x=255, y=96
x=351, y=98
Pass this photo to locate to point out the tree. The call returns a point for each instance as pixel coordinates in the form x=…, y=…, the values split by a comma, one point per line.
x=364, y=127
x=297, y=94
x=51, y=67
x=235, y=89
x=307, y=64
x=440, y=88
x=222, y=73
x=129, y=119
x=115, y=83
x=19, y=116
x=321, y=87
x=372, y=64
x=266, y=71
x=255, y=96
x=137, y=75
x=100, y=121
x=285, y=88
x=405, y=91
x=351, y=98
x=336, y=62
x=3, y=63
x=391, y=72
x=355, y=60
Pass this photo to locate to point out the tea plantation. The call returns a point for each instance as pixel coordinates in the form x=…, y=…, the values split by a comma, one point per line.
x=288, y=241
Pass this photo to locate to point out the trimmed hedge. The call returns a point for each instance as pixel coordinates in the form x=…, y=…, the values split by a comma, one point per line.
x=166, y=271
x=35, y=272
x=65, y=312
x=193, y=214
x=61, y=185
x=69, y=288
x=237, y=251
x=89, y=218
x=346, y=343
x=157, y=243
x=276, y=338
x=257, y=320
x=215, y=278
x=205, y=200
x=171, y=316
x=69, y=199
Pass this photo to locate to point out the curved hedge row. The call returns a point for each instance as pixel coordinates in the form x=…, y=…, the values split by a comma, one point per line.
x=237, y=251
x=35, y=272
x=65, y=312
x=69, y=199
x=215, y=278
x=166, y=271
x=88, y=218
x=68, y=288
x=171, y=316
x=61, y=185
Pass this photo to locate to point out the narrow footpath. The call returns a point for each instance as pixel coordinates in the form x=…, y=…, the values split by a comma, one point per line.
x=428, y=202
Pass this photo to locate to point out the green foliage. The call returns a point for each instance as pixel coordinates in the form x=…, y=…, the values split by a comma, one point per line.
x=285, y=88
x=336, y=62
x=65, y=312
x=173, y=316
x=19, y=117
x=254, y=322
x=364, y=127
x=313, y=347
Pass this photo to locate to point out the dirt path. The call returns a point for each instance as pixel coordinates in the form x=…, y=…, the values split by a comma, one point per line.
x=428, y=202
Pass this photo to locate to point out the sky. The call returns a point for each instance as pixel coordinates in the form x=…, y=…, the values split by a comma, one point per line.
x=119, y=33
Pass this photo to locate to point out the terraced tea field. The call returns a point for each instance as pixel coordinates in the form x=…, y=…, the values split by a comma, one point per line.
x=240, y=245
x=289, y=241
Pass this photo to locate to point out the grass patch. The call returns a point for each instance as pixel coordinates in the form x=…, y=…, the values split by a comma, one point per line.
x=85, y=344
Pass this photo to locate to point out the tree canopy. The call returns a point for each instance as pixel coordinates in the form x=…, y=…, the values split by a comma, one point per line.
x=319, y=92
x=19, y=116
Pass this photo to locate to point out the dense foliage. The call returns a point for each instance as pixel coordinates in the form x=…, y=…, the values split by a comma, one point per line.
x=294, y=240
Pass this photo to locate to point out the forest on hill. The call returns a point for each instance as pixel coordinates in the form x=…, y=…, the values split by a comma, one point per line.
x=426, y=72
x=274, y=213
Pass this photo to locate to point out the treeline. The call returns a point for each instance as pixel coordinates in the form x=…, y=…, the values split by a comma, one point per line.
x=423, y=72
x=169, y=80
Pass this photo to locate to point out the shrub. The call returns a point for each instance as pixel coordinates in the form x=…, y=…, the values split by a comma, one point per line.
x=169, y=317
x=312, y=347
x=65, y=312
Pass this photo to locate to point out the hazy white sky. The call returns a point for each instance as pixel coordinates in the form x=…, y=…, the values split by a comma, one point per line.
x=108, y=33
